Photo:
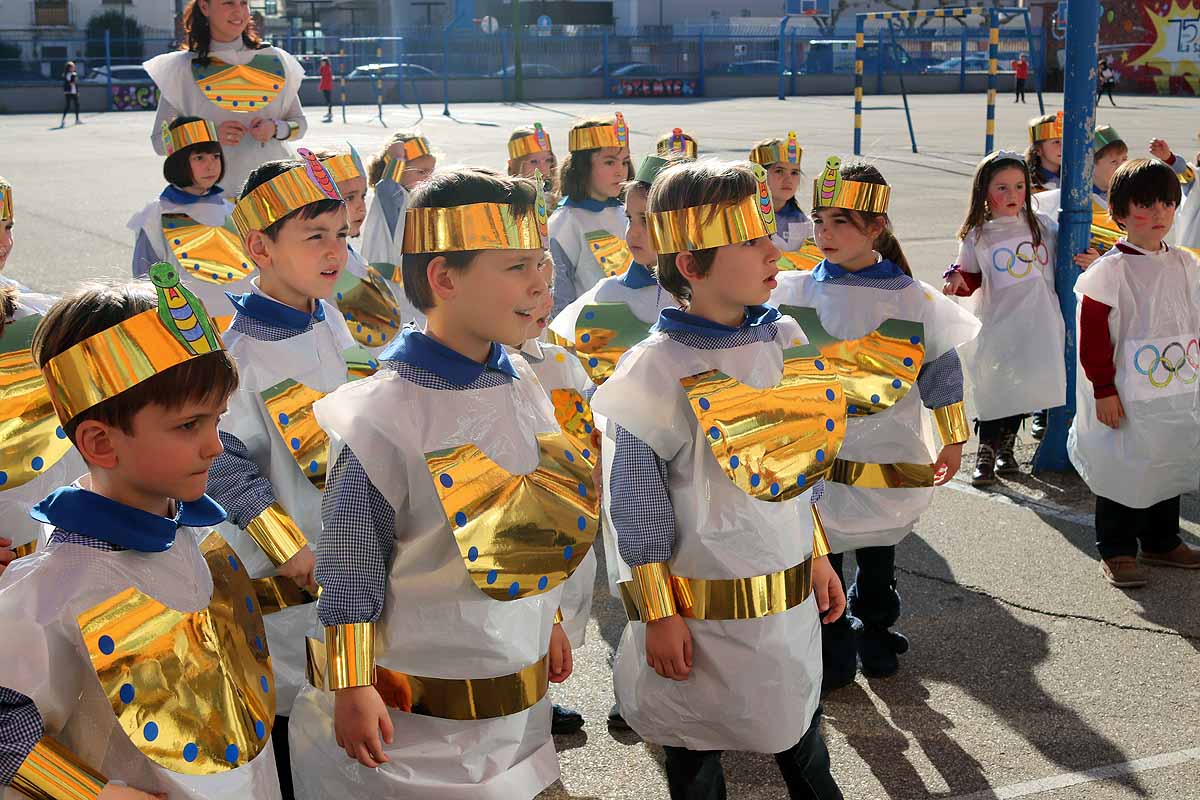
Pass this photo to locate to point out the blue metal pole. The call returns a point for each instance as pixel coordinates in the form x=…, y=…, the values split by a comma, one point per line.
x=446, y=71
x=108, y=65
x=962, y=63
x=793, y=67
x=912, y=137
x=858, y=83
x=1075, y=219
x=993, y=52
x=782, y=44
x=700, y=58
x=879, y=62
x=604, y=61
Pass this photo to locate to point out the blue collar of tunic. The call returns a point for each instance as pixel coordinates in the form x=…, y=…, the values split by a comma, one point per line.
x=77, y=510
x=418, y=350
x=270, y=311
x=827, y=271
x=638, y=277
x=589, y=203
x=1046, y=175
x=790, y=211
x=1096, y=190
x=176, y=195
x=676, y=319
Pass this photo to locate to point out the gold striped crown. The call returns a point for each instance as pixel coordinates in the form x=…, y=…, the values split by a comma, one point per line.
x=831, y=190
x=530, y=143
x=6, y=199
x=116, y=359
x=1040, y=131
x=416, y=147
x=345, y=166
x=677, y=144
x=615, y=134
x=785, y=151
x=712, y=225
x=283, y=194
x=187, y=134
x=478, y=226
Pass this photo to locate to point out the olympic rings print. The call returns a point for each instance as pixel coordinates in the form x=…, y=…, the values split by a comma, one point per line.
x=1189, y=355
x=1019, y=262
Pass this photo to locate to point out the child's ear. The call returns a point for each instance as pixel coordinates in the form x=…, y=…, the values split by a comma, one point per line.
x=94, y=442
x=688, y=267
x=258, y=245
x=441, y=278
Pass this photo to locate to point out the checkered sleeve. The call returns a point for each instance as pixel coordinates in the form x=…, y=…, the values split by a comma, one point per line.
x=357, y=541
x=818, y=491
x=21, y=729
x=236, y=482
x=640, y=502
x=941, y=380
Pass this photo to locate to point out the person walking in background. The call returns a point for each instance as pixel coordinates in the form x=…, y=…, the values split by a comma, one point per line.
x=1108, y=80
x=70, y=93
x=1021, y=67
x=326, y=87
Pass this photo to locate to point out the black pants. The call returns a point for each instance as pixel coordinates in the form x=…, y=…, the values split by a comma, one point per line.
x=992, y=430
x=71, y=100
x=1020, y=93
x=283, y=757
x=698, y=775
x=1105, y=87
x=328, y=101
x=1120, y=528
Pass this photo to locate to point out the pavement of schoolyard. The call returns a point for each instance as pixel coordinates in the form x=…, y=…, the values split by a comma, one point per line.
x=1027, y=677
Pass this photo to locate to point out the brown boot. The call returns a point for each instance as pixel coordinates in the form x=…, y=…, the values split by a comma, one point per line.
x=1123, y=572
x=1006, y=458
x=985, y=465
x=1182, y=556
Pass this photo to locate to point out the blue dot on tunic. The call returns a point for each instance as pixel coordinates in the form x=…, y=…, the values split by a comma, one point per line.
x=313, y=466
x=275, y=87
x=190, y=752
x=896, y=384
x=233, y=563
x=704, y=404
x=460, y=519
x=820, y=456
x=801, y=480
x=585, y=338
x=714, y=432
x=829, y=425
x=262, y=682
x=150, y=731
x=126, y=693
x=37, y=463
x=106, y=645
x=265, y=100
x=592, y=362
x=581, y=523
x=258, y=643
x=491, y=577
x=231, y=753
x=874, y=398
x=295, y=443
x=908, y=362
x=514, y=589
x=218, y=96
x=568, y=551
x=579, y=407
x=829, y=394
x=260, y=730
x=543, y=582
x=252, y=104
x=183, y=255
x=60, y=433
x=915, y=340
x=446, y=480
x=819, y=364
x=587, y=453
x=587, y=427
x=582, y=490
x=3, y=477
x=208, y=89
x=570, y=456
x=235, y=102
x=734, y=461
x=339, y=295
x=774, y=489
x=250, y=604
x=358, y=328
x=473, y=554
x=851, y=409
x=590, y=315
x=755, y=480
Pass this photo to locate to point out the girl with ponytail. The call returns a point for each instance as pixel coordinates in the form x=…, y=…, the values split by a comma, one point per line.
x=892, y=340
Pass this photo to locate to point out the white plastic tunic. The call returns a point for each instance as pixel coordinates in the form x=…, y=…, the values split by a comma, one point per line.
x=857, y=517
x=44, y=658
x=383, y=246
x=436, y=622
x=754, y=683
x=314, y=359
x=182, y=96
x=1155, y=453
x=569, y=228
x=1014, y=363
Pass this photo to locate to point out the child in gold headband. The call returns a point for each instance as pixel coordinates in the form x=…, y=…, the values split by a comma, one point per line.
x=677, y=144
x=292, y=347
x=445, y=543
x=35, y=458
x=721, y=429
x=781, y=159
x=1044, y=154
x=189, y=223
x=892, y=339
x=529, y=152
x=1110, y=152
x=589, y=219
x=132, y=575
x=404, y=163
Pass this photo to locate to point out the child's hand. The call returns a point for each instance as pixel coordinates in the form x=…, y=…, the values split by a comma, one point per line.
x=831, y=597
x=231, y=133
x=300, y=568
x=263, y=130
x=947, y=464
x=359, y=719
x=669, y=647
x=1109, y=410
x=1160, y=149
x=954, y=284
x=113, y=791
x=6, y=554
x=561, y=661
x=1086, y=259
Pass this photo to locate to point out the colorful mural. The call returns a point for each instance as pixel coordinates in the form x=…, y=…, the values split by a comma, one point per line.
x=1152, y=45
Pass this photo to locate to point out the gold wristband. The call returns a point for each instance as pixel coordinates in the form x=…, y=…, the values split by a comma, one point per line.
x=821, y=546
x=652, y=587
x=277, y=534
x=52, y=772
x=350, y=655
x=558, y=617
x=952, y=423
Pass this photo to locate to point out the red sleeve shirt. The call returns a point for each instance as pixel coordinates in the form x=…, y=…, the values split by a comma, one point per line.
x=326, y=78
x=1022, y=69
x=1096, y=347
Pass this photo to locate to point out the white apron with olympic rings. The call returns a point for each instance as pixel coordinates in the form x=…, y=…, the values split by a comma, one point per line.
x=1154, y=454
x=1015, y=364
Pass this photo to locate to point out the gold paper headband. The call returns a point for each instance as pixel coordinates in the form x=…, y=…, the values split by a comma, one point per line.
x=118, y=358
x=1047, y=130
x=345, y=166
x=707, y=226
x=283, y=194
x=831, y=190
x=597, y=136
x=677, y=144
x=477, y=226
x=787, y=151
x=6, y=199
x=187, y=134
x=530, y=143
x=415, y=148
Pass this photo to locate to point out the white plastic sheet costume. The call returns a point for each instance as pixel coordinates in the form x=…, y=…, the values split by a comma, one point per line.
x=1155, y=452
x=582, y=233
x=382, y=243
x=368, y=304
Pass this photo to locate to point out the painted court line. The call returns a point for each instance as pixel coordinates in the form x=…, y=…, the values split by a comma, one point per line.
x=1069, y=779
x=1001, y=496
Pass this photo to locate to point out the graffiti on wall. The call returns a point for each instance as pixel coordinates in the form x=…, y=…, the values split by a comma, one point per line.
x=654, y=87
x=131, y=97
x=1153, y=45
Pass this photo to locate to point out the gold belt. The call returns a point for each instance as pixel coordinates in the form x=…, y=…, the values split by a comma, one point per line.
x=449, y=698
x=731, y=598
x=881, y=476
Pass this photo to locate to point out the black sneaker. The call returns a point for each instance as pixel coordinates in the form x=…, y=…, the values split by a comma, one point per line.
x=566, y=721
x=1040, y=420
x=616, y=721
x=985, y=466
x=878, y=649
x=1006, y=459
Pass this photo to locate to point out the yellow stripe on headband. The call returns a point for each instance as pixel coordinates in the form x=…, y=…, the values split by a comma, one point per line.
x=787, y=151
x=615, y=134
x=1047, y=130
x=187, y=134
x=536, y=142
x=6, y=199
x=283, y=194
x=343, y=167
x=415, y=148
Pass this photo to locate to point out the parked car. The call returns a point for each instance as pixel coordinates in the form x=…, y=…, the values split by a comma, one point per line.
x=373, y=72
x=837, y=55
x=974, y=62
x=638, y=69
x=758, y=67
x=121, y=73
x=530, y=71
x=612, y=65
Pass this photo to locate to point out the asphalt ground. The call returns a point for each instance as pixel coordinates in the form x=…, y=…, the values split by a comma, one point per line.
x=1028, y=676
